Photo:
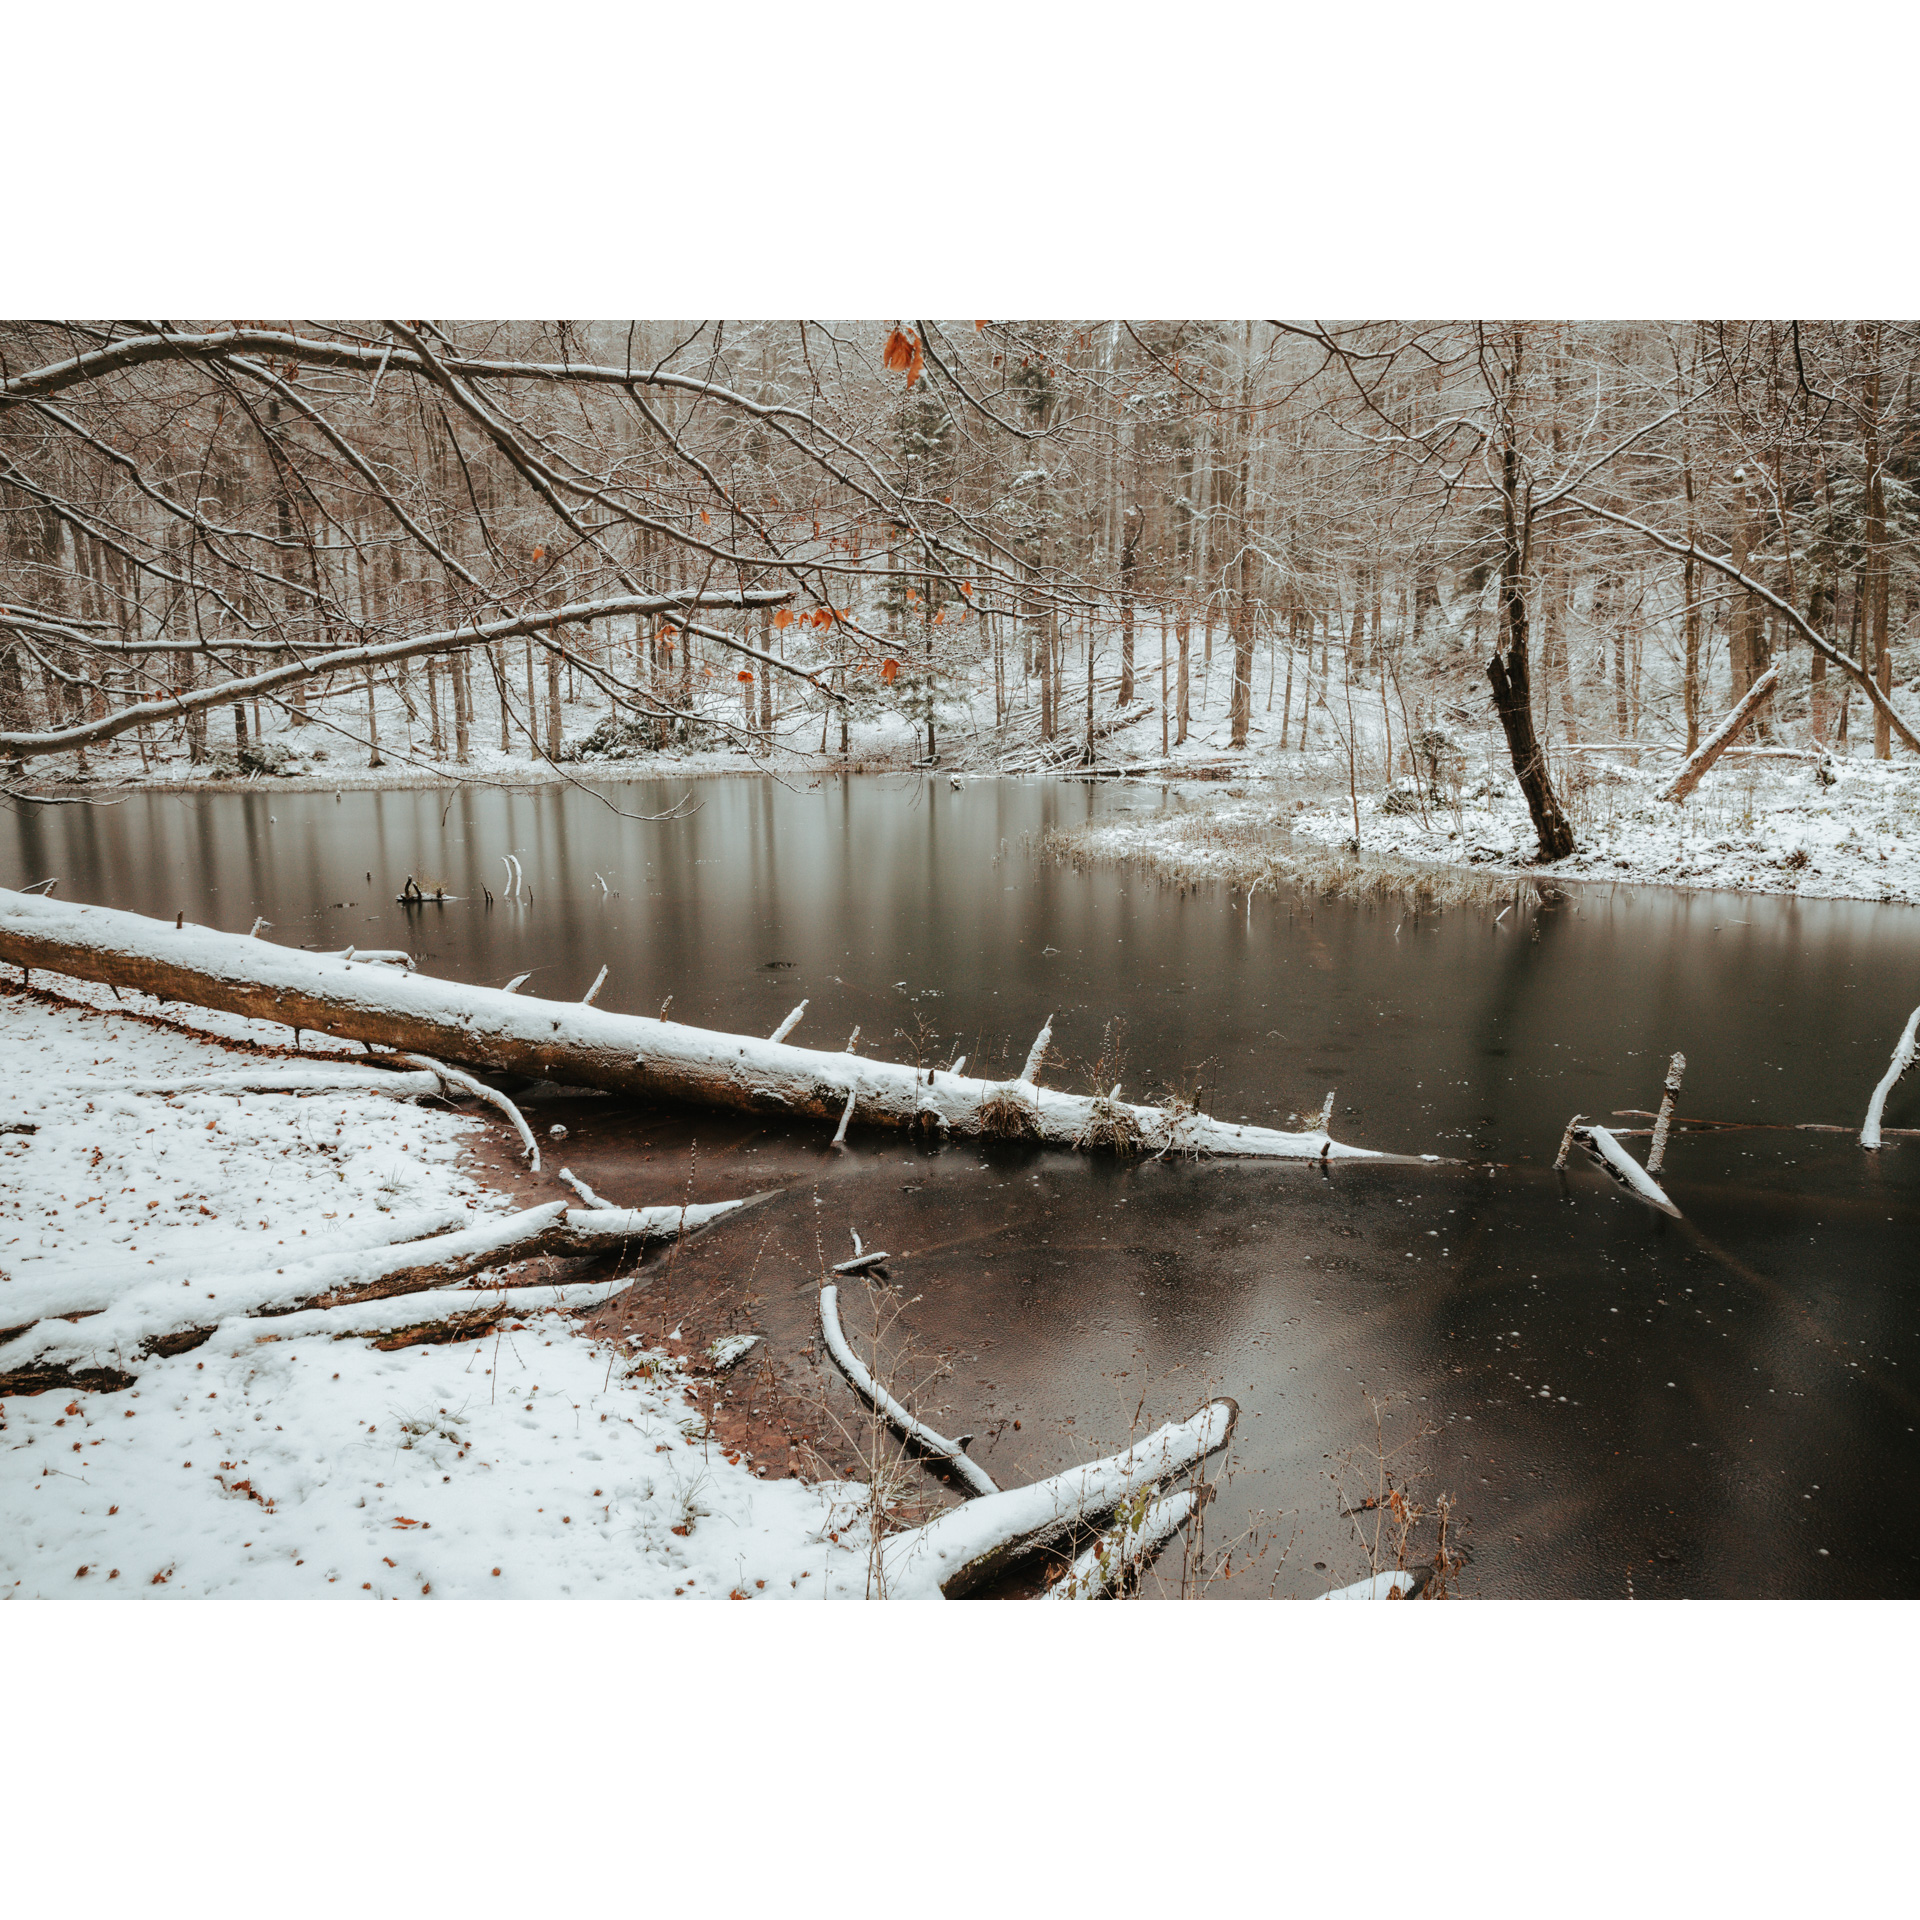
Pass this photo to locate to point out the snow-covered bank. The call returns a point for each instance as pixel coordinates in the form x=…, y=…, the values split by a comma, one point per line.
x=278, y=1460
x=1751, y=828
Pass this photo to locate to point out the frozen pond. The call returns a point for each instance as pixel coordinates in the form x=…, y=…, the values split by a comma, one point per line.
x=1717, y=1406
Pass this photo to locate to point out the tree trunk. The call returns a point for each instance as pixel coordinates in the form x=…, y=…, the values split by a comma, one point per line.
x=583, y=1045
x=1507, y=671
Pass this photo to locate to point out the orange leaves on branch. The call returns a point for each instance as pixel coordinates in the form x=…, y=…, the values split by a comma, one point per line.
x=784, y=618
x=706, y=519
x=889, y=671
x=903, y=354
x=744, y=677
x=823, y=616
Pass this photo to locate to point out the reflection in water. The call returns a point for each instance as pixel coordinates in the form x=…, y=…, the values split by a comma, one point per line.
x=1708, y=1403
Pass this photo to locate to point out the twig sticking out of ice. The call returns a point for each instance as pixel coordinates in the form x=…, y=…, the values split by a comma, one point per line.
x=1902, y=1060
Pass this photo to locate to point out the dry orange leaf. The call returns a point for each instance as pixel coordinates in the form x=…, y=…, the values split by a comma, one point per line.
x=705, y=518
x=784, y=618
x=743, y=675
x=903, y=354
x=889, y=669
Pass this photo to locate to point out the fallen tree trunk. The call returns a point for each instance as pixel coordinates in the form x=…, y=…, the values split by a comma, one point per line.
x=152, y=1319
x=1721, y=738
x=414, y=1013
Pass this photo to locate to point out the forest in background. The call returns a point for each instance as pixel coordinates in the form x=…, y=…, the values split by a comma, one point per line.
x=1603, y=532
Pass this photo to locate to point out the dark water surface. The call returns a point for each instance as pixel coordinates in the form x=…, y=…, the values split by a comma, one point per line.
x=1723, y=1405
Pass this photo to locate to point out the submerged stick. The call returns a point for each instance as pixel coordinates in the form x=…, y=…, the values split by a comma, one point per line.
x=876, y=1396
x=1902, y=1060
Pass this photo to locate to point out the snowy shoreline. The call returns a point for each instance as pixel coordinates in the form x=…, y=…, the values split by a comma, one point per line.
x=282, y=1459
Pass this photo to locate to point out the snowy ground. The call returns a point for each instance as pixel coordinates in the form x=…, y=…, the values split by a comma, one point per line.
x=1752, y=831
x=531, y=1463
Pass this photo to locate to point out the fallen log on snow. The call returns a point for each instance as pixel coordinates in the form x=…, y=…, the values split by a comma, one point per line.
x=1902, y=1060
x=564, y=1040
x=955, y=1552
x=915, y=1432
x=152, y=1318
x=1721, y=738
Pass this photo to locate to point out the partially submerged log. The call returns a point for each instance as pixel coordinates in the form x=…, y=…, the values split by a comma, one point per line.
x=1902, y=1060
x=1115, y=1560
x=916, y=1432
x=414, y=1013
x=1721, y=738
x=968, y=1544
x=1613, y=1159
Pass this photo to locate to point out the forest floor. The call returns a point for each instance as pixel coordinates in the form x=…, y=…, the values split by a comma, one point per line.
x=536, y=1461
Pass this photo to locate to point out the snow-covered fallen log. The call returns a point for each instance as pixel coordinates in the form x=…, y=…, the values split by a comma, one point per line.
x=414, y=1013
x=956, y=1551
x=66, y=1284
x=915, y=1432
x=1615, y=1160
x=158, y=1315
x=1115, y=1559
x=366, y=1318
x=1902, y=1060
x=1378, y=1586
x=1721, y=738
x=146, y=1319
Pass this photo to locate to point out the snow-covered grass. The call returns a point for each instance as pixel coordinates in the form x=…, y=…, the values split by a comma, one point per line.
x=277, y=1459
x=1752, y=827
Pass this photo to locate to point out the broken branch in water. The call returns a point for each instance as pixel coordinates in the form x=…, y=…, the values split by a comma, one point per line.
x=957, y=1550
x=1613, y=1159
x=1902, y=1060
x=916, y=1432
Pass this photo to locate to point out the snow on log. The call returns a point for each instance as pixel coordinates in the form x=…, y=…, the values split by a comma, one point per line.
x=1378, y=1586
x=1625, y=1169
x=1721, y=738
x=144, y=1317
x=956, y=1551
x=1037, y=1053
x=605, y=1229
x=417, y=1014
x=1115, y=1559
x=1902, y=1060
x=365, y=1318
x=585, y=1192
x=897, y=1416
x=85, y=1283
x=787, y=1025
